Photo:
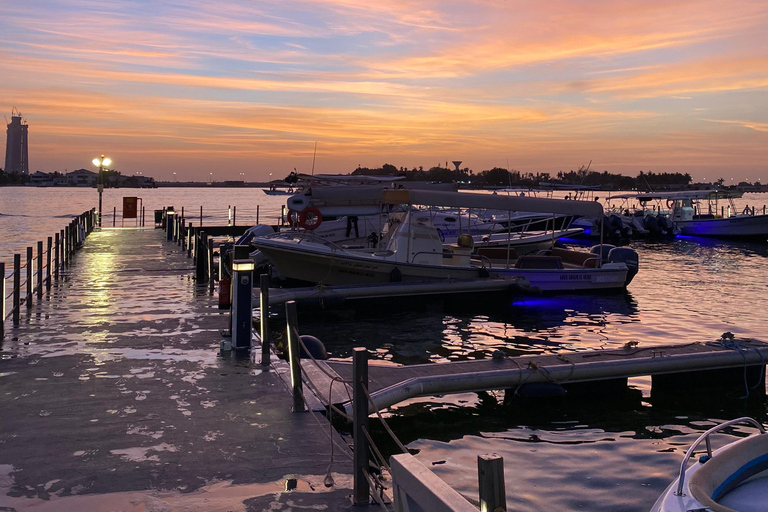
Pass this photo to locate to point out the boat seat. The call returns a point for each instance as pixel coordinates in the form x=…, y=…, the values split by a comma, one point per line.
x=727, y=469
x=539, y=262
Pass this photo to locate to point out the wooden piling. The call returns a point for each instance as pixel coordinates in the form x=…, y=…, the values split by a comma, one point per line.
x=361, y=487
x=39, y=282
x=16, y=288
x=200, y=246
x=65, y=246
x=264, y=323
x=294, y=355
x=114, y=216
x=190, y=234
x=30, y=277
x=209, y=265
x=490, y=477
x=2, y=304
x=57, y=255
x=49, y=257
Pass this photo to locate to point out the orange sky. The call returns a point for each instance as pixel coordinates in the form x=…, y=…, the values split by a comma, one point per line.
x=233, y=87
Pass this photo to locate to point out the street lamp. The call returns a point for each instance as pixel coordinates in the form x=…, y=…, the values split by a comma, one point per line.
x=101, y=162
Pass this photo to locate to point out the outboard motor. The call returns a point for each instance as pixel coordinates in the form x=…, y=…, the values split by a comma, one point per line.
x=627, y=256
x=665, y=225
x=607, y=248
x=616, y=227
x=652, y=225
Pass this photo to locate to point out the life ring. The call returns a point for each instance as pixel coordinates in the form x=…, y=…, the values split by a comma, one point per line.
x=670, y=203
x=310, y=218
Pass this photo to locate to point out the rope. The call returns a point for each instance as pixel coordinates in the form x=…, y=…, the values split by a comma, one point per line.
x=375, y=449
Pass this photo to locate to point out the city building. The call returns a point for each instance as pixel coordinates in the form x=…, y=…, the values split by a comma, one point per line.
x=82, y=178
x=16, y=147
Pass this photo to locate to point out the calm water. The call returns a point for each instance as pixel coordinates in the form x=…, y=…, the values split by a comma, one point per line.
x=615, y=455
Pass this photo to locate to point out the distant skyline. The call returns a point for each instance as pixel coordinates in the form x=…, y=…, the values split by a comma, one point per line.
x=242, y=89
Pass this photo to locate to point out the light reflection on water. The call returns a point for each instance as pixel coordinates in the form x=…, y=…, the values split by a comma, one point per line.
x=587, y=455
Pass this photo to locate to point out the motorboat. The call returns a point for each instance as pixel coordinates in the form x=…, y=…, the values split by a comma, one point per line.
x=413, y=249
x=710, y=213
x=733, y=478
x=495, y=245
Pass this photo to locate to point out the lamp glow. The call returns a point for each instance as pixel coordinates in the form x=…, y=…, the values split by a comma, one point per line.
x=243, y=265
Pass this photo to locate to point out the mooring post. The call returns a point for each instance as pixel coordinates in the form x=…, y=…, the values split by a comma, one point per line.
x=201, y=252
x=2, y=303
x=49, y=257
x=65, y=247
x=264, y=322
x=114, y=216
x=39, y=283
x=190, y=232
x=56, y=251
x=169, y=215
x=361, y=486
x=201, y=215
x=234, y=215
x=294, y=355
x=490, y=477
x=16, y=288
x=30, y=277
x=242, y=297
x=257, y=214
x=209, y=264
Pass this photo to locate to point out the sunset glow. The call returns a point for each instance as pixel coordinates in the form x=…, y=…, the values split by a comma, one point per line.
x=230, y=87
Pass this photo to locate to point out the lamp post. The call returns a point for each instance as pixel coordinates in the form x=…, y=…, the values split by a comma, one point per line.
x=101, y=162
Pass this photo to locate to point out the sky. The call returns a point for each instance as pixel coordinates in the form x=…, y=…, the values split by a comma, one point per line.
x=246, y=89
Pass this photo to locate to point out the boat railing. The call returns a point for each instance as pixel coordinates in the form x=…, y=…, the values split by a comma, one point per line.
x=705, y=437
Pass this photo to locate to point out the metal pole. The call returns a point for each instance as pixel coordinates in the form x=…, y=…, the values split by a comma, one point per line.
x=100, y=187
x=30, y=277
x=49, y=257
x=57, y=244
x=361, y=488
x=39, y=283
x=490, y=477
x=294, y=355
x=16, y=288
x=2, y=303
x=264, y=324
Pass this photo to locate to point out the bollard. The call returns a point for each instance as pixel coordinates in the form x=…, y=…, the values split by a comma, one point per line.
x=49, y=256
x=39, y=282
x=490, y=477
x=114, y=216
x=361, y=487
x=264, y=324
x=294, y=355
x=242, y=293
x=30, y=277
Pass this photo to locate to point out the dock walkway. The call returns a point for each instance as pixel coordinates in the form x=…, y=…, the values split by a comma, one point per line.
x=389, y=385
x=114, y=397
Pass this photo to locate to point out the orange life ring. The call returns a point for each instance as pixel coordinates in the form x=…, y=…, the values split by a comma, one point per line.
x=310, y=218
x=670, y=203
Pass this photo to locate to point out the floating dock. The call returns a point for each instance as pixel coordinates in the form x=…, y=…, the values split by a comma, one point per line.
x=390, y=385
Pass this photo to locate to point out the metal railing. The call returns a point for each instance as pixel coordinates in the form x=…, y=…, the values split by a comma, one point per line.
x=41, y=270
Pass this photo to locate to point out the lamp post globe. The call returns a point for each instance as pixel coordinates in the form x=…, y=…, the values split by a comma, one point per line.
x=101, y=162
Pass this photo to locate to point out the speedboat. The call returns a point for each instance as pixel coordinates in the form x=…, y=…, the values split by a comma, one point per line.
x=413, y=249
x=733, y=478
x=710, y=213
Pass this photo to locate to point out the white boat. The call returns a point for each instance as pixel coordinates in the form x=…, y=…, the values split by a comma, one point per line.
x=495, y=245
x=415, y=252
x=710, y=213
x=733, y=478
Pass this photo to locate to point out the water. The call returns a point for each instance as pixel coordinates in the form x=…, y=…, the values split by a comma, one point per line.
x=598, y=455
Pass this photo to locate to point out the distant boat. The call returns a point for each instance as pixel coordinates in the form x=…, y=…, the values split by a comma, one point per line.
x=278, y=191
x=701, y=213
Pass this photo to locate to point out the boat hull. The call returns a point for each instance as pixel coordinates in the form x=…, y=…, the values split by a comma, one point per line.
x=739, y=226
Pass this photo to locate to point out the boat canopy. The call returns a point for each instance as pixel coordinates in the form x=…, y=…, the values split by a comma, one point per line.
x=683, y=194
x=375, y=196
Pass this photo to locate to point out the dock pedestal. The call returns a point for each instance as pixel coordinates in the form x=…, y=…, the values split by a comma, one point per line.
x=242, y=289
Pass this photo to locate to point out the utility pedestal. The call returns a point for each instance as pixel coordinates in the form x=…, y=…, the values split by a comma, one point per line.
x=169, y=215
x=242, y=293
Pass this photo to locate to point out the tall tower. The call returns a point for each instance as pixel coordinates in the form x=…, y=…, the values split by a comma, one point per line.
x=16, y=146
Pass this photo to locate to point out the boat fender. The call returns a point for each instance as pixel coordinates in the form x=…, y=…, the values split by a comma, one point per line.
x=465, y=240
x=440, y=234
x=310, y=218
x=314, y=346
